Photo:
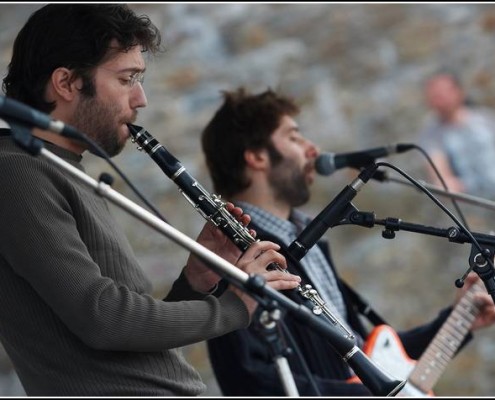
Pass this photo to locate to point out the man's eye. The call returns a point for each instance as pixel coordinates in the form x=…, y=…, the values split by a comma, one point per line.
x=133, y=79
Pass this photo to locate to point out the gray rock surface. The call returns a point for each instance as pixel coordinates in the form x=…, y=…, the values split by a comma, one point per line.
x=357, y=71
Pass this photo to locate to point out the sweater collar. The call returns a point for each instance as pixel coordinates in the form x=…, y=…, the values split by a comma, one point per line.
x=57, y=150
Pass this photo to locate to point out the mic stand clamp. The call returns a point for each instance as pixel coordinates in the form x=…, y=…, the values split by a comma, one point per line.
x=265, y=319
x=479, y=264
x=266, y=324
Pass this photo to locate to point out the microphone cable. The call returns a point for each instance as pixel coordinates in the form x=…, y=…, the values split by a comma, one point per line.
x=442, y=181
x=97, y=150
x=443, y=208
x=301, y=358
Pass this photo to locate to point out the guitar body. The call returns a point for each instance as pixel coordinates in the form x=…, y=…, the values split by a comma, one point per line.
x=385, y=348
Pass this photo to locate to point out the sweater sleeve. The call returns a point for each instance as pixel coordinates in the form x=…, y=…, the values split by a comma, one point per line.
x=81, y=268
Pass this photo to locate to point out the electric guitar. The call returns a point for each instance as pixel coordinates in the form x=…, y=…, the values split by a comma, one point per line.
x=385, y=348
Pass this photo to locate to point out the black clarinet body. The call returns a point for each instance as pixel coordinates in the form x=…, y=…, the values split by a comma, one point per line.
x=212, y=208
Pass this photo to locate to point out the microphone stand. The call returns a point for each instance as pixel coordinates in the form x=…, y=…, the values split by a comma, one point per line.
x=477, y=259
x=438, y=190
x=266, y=325
x=252, y=284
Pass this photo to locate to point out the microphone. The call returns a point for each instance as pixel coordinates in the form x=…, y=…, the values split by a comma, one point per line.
x=16, y=112
x=327, y=163
x=332, y=214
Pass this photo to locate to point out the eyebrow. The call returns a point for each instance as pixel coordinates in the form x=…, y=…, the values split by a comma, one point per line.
x=129, y=69
x=134, y=69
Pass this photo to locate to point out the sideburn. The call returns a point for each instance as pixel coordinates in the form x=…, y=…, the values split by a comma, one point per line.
x=275, y=156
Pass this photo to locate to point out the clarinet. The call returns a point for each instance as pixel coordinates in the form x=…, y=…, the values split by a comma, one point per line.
x=213, y=209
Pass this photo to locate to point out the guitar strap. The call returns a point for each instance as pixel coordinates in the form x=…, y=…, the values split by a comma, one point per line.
x=363, y=306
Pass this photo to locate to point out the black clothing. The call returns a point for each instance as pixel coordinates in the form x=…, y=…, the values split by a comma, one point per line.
x=244, y=366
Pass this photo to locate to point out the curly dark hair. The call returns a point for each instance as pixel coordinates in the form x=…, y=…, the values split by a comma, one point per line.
x=244, y=121
x=75, y=36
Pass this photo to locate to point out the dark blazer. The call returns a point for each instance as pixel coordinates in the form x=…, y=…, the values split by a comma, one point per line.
x=243, y=360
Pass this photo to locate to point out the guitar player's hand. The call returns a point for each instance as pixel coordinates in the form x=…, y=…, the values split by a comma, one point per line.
x=482, y=299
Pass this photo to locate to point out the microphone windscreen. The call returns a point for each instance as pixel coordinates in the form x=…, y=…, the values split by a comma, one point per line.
x=325, y=164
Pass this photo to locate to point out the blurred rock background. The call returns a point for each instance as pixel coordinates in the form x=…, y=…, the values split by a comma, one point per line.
x=357, y=71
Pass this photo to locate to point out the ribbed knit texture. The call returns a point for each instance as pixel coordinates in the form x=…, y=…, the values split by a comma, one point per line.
x=76, y=316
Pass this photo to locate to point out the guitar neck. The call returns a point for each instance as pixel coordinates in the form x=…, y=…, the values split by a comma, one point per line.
x=446, y=342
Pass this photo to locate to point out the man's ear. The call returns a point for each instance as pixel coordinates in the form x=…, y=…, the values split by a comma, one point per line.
x=256, y=159
x=63, y=83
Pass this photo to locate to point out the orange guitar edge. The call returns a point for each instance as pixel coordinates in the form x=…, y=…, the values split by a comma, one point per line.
x=384, y=347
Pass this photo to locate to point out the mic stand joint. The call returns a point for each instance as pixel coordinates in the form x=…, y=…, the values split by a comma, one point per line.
x=266, y=325
x=479, y=264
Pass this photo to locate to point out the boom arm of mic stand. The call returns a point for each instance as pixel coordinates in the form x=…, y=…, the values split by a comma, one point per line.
x=477, y=260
